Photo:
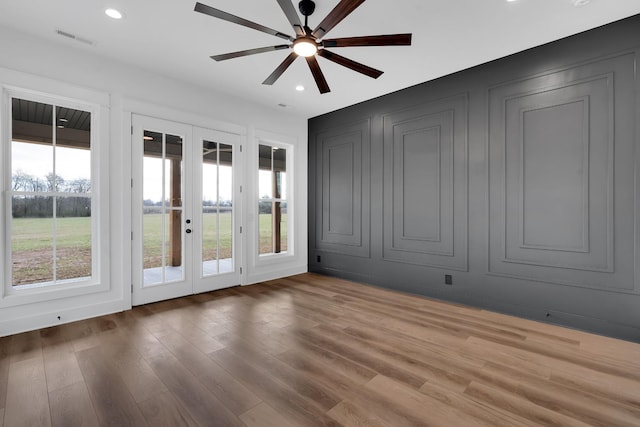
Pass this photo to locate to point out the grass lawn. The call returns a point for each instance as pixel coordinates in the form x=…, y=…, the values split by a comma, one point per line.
x=32, y=249
x=32, y=244
x=266, y=233
x=153, y=238
x=35, y=233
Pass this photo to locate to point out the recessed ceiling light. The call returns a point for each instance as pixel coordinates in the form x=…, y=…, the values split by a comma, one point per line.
x=299, y=88
x=578, y=3
x=113, y=13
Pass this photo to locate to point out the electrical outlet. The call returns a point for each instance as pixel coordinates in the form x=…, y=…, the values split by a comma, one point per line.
x=448, y=279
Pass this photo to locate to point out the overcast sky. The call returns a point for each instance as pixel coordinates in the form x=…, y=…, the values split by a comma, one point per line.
x=71, y=164
x=37, y=160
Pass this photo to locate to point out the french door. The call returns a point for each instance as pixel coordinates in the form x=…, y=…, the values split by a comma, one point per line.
x=185, y=210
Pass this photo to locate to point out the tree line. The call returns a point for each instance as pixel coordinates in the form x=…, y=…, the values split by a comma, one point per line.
x=41, y=206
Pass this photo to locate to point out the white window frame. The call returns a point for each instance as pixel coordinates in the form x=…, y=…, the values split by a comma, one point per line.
x=271, y=258
x=96, y=104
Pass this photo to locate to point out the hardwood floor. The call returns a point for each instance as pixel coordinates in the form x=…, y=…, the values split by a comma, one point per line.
x=312, y=350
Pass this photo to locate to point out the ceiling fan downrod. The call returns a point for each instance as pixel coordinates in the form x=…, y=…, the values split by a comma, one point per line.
x=306, y=7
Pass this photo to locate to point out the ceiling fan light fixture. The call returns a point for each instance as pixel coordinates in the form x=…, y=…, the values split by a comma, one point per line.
x=305, y=47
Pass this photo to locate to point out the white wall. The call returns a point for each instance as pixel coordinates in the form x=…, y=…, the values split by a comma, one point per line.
x=25, y=60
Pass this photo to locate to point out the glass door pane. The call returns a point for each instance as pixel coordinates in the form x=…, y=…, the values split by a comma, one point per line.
x=163, y=256
x=217, y=208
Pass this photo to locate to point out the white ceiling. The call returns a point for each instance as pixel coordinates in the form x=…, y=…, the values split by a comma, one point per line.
x=169, y=38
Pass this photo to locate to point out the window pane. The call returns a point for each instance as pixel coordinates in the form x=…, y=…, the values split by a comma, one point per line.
x=280, y=170
x=266, y=227
x=73, y=238
x=265, y=184
x=73, y=170
x=283, y=227
x=226, y=239
x=173, y=245
x=173, y=221
x=272, y=206
x=31, y=148
x=173, y=170
x=217, y=184
x=210, y=173
x=152, y=243
x=209, y=208
x=265, y=174
x=152, y=213
x=30, y=165
x=72, y=152
x=225, y=207
x=209, y=240
x=265, y=157
x=32, y=240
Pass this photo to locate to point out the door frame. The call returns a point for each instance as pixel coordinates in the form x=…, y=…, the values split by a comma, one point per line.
x=192, y=243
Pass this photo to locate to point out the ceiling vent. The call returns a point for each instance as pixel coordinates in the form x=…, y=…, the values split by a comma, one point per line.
x=73, y=37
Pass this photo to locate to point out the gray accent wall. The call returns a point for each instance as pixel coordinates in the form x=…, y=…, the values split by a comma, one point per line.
x=519, y=178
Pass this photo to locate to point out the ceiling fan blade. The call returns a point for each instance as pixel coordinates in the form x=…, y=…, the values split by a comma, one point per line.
x=281, y=69
x=346, y=62
x=289, y=10
x=247, y=52
x=344, y=8
x=317, y=74
x=216, y=13
x=386, y=40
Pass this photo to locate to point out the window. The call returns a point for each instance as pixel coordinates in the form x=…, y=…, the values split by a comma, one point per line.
x=51, y=238
x=272, y=202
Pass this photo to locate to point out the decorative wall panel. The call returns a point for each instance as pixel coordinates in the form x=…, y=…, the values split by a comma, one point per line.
x=425, y=184
x=553, y=191
x=517, y=182
x=342, y=194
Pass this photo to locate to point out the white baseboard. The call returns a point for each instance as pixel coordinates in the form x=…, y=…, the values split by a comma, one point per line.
x=49, y=319
x=272, y=275
x=46, y=320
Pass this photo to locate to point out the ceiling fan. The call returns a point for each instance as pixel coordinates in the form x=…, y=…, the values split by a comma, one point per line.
x=309, y=43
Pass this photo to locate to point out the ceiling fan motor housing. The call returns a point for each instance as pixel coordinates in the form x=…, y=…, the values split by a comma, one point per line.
x=306, y=7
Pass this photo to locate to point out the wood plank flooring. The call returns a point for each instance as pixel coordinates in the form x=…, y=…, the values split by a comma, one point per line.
x=310, y=350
